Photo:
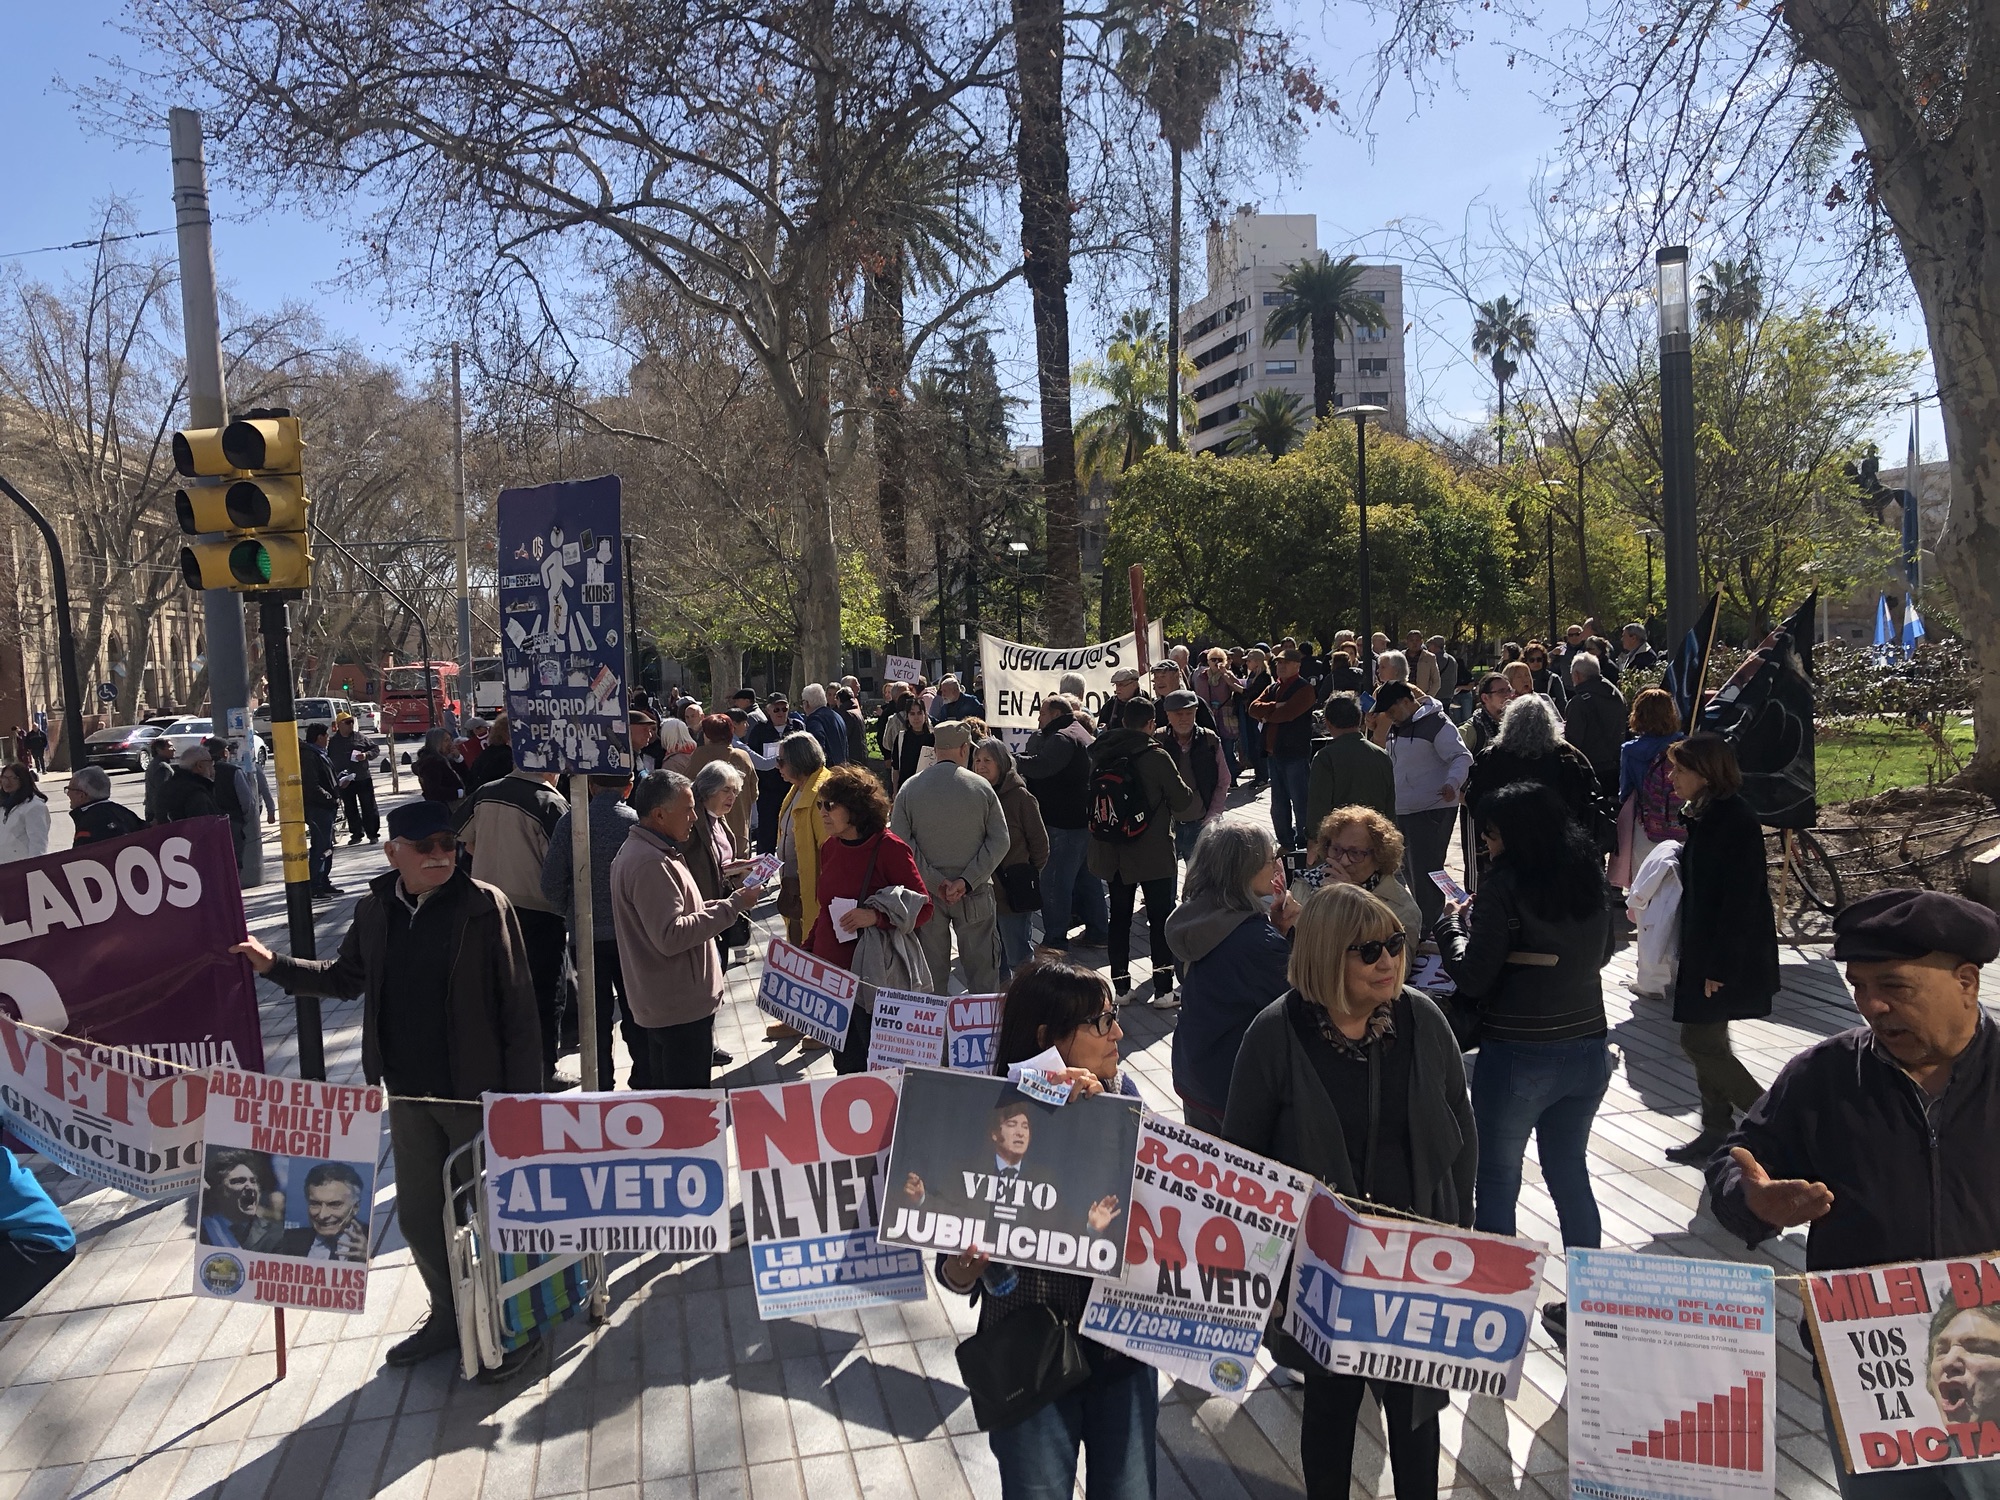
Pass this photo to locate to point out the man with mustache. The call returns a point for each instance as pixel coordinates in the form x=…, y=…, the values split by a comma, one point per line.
x=1886, y=1139
x=448, y=1014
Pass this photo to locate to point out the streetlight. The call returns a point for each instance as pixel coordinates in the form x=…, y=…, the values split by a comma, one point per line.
x=1361, y=414
x=1020, y=552
x=1647, y=534
x=1677, y=442
x=1549, y=487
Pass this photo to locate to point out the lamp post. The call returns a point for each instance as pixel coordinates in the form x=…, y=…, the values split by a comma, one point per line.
x=1019, y=550
x=1677, y=442
x=1647, y=534
x=1361, y=414
x=1549, y=487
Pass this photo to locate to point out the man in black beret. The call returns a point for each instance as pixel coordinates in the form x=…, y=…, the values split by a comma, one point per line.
x=1884, y=1139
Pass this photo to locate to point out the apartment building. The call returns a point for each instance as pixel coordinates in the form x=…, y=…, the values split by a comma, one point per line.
x=1223, y=333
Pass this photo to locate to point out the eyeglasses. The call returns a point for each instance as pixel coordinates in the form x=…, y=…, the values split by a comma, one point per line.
x=1102, y=1022
x=1347, y=854
x=1537, y=660
x=827, y=804
x=1371, y=952
x=436, y=843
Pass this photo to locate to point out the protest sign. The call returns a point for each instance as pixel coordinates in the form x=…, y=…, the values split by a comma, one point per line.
x=122, y=950
x=812, y=1162
x=976, y=1164
x=288, y=1189
x=1422, y=1304
x=902, y=669
x=1204, y=1257
x=1673, y=1381
x=563, y=614
x=908, y=1031
x=644, y=1172
x=1906, y=1354
x=971, y=1024
x=808, y=994
x=1017, y=677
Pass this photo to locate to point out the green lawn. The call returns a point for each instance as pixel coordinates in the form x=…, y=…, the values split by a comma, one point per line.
x=1857, y=758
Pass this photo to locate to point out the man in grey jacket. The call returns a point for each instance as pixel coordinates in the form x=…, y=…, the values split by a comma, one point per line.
x=952, y=820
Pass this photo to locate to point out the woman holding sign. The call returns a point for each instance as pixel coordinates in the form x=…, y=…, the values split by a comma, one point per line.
x=867, y=878
x=1107, y=1408
x=1356, y=1078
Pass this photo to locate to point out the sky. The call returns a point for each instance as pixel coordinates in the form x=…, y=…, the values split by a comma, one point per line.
x=1470, y=147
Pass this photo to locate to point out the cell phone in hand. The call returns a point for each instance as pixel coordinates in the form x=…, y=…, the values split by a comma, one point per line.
x=1453, y=891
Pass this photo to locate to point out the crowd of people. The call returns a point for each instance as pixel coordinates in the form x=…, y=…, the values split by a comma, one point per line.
x=918, y=850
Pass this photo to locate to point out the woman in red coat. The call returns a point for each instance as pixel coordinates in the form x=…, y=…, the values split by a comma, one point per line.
x=860, y=857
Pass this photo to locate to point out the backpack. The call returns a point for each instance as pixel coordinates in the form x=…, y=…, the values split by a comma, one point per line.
x=1119, y=811
x=1659, y=812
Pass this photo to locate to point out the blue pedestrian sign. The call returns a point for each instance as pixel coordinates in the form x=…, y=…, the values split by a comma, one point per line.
x=562, y=612
x=106, y=693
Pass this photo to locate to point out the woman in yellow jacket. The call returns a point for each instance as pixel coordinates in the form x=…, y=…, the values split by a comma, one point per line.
x=802, y=763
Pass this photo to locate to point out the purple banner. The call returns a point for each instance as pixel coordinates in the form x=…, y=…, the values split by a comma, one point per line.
x=123, y=948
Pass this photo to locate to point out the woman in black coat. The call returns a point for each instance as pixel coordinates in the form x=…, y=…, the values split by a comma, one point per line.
x=1729, y=934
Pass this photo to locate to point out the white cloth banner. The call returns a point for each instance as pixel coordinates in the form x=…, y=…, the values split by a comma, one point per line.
x=1017, y=677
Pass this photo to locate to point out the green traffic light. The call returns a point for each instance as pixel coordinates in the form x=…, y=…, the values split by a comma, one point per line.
x=250, y=562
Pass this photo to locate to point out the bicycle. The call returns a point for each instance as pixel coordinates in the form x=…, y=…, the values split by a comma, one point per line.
x=1803, y=860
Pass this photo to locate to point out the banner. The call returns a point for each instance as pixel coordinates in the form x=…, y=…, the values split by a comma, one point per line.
x=902, y=669
x=1908, y=1357
x=288, y=1191
x=1415, y=1303
x=909, y=1030
x=971, y=1025
x=808, y=994
x=562, y=630
x=812, y=1162
x=640, y=1172
x=1673, y=1378
x=1204, y=1257
x=977, y=1164
x=1016, y=678
x=124, y=946
x=1766, y=711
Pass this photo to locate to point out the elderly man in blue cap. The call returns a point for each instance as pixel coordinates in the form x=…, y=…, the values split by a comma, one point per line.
x=448, y=1014
x=1886, y=1139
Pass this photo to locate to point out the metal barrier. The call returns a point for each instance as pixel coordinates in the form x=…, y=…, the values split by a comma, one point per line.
x=480, y=1294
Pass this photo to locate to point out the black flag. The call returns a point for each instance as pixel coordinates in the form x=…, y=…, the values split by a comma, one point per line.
x=1685, y=673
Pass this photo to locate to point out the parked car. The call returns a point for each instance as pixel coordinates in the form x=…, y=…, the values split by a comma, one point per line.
x=367, y=717
x=307, y=711
x=122, y=748
x=186, y=732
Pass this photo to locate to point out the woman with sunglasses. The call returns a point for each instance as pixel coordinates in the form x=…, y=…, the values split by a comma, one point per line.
x=1548, y=683
x=1111, y=1419
x=1358, y=846
x=1355, y=1078
x=1529, y=958
x=871, y=876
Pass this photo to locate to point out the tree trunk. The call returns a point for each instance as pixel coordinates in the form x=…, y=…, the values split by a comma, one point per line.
x=1326, y=354
x=1941, y=191
x=888, y=375
x=1043, y=152
x=138, y=652
x=1174, y=309
x=819, y=560
x=1500, y=422
x=725, y=671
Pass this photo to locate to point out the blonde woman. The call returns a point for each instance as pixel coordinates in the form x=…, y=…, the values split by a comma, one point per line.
x=1358, y=846
x=1218, y=687
x=1347, y=1032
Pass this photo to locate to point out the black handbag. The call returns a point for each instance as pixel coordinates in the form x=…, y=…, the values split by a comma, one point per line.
x=1018, y=1365
x=1022, y=886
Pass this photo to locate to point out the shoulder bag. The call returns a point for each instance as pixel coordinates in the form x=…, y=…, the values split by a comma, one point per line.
x=1019, y=1364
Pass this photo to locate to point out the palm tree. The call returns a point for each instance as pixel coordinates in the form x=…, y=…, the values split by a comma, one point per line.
x=1323, y=300
x=1270, y=422
x=1133, y=377
x=1730, y=292
x=1041, y=150
x=1174, y=54
x=1501, y=329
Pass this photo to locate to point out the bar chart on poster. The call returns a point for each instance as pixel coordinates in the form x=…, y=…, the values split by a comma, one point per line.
x=1724, y=1432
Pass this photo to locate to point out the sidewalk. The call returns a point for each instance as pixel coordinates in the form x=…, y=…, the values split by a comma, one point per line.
x=119, y=1382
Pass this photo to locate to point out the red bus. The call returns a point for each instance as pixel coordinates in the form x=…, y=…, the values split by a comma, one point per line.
x=404, y=690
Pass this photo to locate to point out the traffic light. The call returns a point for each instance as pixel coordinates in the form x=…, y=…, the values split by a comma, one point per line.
x=250, y=528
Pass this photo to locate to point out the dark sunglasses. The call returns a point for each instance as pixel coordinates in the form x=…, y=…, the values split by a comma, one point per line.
x=827, y=804
x=1102, y=1022
x=1371, y=952
x=435, y=843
